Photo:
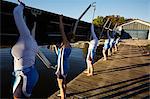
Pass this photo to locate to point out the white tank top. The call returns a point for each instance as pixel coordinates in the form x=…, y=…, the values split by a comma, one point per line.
x=24, y=52
x=93, y=43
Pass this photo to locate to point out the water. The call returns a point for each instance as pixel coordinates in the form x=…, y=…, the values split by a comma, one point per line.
x=47, y=83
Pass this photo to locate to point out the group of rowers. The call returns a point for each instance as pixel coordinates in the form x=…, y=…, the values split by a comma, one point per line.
x=26, y=49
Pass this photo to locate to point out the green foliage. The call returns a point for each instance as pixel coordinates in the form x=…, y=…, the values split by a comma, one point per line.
x=100, y=20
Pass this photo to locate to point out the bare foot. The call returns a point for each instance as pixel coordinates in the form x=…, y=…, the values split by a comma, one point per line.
x=85, y=71
x=59, y=95
x=109, y=54
x=90, y=74
x=104, y=59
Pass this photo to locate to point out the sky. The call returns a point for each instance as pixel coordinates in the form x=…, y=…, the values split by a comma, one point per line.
x=139, y=9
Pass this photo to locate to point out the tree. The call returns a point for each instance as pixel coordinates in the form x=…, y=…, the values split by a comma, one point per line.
x=98, y=21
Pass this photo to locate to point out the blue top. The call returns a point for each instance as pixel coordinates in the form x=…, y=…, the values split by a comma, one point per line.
x=63, y=60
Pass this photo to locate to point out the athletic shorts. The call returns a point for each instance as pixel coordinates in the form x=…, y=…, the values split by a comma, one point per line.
x=25, y=80
x=117, y=41
x=111, y=43
x=106, y=46
x=91, y=55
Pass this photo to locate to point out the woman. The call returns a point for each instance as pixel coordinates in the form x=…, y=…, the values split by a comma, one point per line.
x=106, y=45
x=91, y=52
x=112, y=43
x=116, y=44
x=24, y=52
x=63, y=52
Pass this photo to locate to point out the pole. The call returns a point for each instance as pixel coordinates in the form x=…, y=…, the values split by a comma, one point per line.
x=103, y=28
x=108, y=36
x=93, y=11
x=115, y=27
x=76, y=24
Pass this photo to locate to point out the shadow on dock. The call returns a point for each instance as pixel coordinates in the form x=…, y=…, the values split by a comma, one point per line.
x=144, y=87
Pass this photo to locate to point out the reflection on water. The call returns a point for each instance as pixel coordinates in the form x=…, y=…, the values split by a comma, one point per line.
x=47, y=82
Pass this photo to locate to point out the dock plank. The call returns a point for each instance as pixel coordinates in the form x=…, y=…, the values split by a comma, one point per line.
x=124, y=75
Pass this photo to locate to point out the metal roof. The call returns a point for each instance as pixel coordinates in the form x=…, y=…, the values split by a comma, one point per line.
x=138, y=21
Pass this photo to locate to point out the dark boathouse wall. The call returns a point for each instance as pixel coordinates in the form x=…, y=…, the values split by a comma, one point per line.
x=47, y=30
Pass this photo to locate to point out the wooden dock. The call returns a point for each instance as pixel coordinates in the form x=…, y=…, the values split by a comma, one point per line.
x=126, y=74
